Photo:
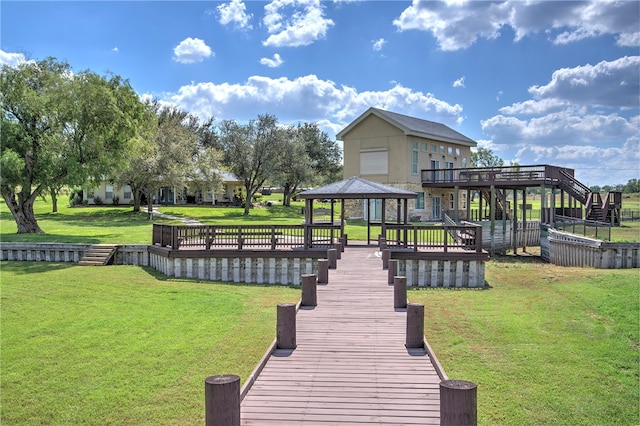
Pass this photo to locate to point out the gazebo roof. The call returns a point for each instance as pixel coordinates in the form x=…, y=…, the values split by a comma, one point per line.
x=357, y=188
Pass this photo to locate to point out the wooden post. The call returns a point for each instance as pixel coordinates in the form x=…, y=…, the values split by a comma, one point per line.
x=338, y=246
x=391, y=272
x=286, y=328
x=332, y=255
x=415, y=325
x=323, y=271
x=309, y=294
x=399, y=292
x=458, y=403
x=222, y=400
x=386, y=253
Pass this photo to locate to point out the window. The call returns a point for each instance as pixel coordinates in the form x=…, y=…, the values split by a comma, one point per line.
x=425, y=147
x=442, y=151
x=464, y=201
x=108, y=191
x=464, y=162
x=374, y=163
x=127, y=192
x=457, y=152
x=414, y=162
x=434, y=147
x=449, y=171
x=435, y=173
x=420, y=201
x=452, y=205
x=415, y=146
x=450, y=150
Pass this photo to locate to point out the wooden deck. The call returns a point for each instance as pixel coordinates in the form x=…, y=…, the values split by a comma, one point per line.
x=350, y=366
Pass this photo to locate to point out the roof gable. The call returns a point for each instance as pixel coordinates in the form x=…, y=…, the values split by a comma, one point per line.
x=357, y=188
x=412, y=126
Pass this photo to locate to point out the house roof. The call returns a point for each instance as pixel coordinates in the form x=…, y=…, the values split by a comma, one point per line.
x=412, y=126
x=356, y=188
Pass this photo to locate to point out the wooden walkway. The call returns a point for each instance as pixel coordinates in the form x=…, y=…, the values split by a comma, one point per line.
x=350, y=366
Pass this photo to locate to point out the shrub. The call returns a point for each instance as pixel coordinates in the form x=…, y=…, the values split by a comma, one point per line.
x=97, y=200
x=116, y=200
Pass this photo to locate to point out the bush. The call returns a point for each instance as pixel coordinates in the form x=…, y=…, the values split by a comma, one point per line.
x=97, y=200
x=257, y=197
x=75, y=196
x=115, y=200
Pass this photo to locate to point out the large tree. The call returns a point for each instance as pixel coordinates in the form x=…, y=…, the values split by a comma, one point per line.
x=484, y=157
x=252, y=151
x=177, y=150
x=59, y=127
x=310, y=157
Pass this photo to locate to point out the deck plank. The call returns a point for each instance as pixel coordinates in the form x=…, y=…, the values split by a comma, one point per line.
x=350, y=366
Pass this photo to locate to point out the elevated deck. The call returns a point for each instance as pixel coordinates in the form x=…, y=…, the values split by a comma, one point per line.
x=510, y=177
x=350, y=366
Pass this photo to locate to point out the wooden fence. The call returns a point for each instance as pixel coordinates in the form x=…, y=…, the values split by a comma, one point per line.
x=572, y=250
x=442, y=238
x=251, y=237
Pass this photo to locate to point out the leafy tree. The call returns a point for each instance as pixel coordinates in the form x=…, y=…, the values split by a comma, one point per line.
x=309, y=157
x=59, y=128
x=176, y=151
x=632, y=186
x=252, y=151
x=595, y=188
x=484, y=157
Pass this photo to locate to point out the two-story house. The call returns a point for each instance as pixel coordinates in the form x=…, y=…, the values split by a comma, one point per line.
x=392, y=149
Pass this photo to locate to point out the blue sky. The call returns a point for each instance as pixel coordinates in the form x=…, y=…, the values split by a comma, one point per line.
x=538, y=82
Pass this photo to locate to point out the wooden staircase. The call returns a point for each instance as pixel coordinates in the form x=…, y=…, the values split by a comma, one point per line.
x=99, y=255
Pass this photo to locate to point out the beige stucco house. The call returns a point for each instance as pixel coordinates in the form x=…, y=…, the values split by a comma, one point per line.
x=393, y=149
x=107, y=192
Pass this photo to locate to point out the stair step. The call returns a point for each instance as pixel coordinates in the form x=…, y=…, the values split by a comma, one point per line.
x=98, y=255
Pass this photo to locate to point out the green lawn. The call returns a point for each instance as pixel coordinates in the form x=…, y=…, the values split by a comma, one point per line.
x=123, y=344
x=545, y=344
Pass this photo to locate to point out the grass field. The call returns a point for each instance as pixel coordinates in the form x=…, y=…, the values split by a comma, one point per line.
x=119, y=225
x=546, y=345
x=123, y=345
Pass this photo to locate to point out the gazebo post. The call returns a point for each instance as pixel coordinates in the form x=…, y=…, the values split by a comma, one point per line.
x=406, y=220
x=368, y=222
x=383, y=225
x=342, y=220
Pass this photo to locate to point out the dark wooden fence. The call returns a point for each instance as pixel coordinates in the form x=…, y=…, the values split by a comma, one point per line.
x=441, y=238
x=249, y=237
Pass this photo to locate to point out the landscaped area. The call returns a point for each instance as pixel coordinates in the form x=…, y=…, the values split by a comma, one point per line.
x=126, y=345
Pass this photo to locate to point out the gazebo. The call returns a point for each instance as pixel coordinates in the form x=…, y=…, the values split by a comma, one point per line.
x=356, y=188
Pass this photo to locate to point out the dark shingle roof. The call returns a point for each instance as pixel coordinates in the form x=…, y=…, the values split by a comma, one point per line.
x=414, y=127
x=356, y=188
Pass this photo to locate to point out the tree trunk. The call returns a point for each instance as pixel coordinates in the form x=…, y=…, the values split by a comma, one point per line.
x=149, y=207
x=286, y=195
x=136, y=199
x=23, y=214
x=54, y=201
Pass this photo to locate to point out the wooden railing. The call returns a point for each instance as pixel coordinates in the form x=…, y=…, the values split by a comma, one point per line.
x=497, y=175
x=249, y=237
x=441, y=238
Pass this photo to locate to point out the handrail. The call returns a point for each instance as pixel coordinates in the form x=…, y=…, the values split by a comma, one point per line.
x=264, y=237
x=489, y=175
x=444, y=237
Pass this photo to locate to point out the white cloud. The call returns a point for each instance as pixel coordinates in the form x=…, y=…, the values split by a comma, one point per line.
x=459, y=82
x=458, y=24
x=12, y=59
x=234, y=12
x=585, y=118
x=613, y=84
x=304, y=24
x=191, y=50
x=115, y=49
x=272, y=63
x=306, y=98
x=378, y=44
